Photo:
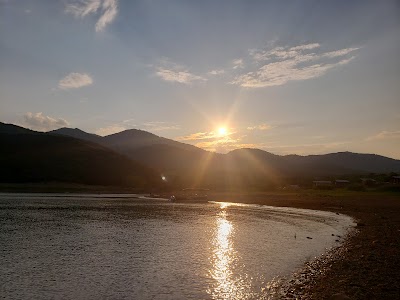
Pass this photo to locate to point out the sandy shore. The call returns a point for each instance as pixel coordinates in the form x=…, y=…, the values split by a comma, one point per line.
x=367, y=266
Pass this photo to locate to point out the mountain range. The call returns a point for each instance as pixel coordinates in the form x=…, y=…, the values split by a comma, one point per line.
x=139, y=158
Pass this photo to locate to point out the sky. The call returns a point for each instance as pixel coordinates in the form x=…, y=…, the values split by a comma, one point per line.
x=288, y=77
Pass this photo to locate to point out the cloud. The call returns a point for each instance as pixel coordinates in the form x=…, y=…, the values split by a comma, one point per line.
x=281, y=52
x=260, y=127
x=110, y=130
x=217, y=72
x=225, y=145
x=184, y=76
x=305, y=47
x=82, y=8
x=106, y=9
x=338, y=53
x=129, y=122
x=40, y=122
x=110, y=10
x=206, y=135
x=238, y=63
x=221, y=144
x=283, y=64
x=212, y=141
x=74, y=81
x=383, y=135
x=198, y=136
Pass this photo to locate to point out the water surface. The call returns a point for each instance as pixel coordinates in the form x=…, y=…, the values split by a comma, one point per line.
x=121, y=247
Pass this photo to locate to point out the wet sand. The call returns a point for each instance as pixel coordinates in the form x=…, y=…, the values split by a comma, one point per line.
x=366, y=266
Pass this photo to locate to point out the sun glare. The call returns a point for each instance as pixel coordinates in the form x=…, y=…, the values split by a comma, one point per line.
x=222, y=131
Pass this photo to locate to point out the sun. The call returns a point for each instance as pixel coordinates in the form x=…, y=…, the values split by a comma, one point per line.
x=222, y=131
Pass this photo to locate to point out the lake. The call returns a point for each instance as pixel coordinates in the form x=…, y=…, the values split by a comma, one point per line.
x=65, y=246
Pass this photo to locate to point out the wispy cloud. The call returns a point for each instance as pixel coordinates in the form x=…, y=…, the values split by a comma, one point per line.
x=184, y=77
x=74, y=81
x=40, y=122
x=223, y=145
x=172, y=72
x=110, y=10
x=213, y=141
x=107, y=10
x=216, y=72
x=305, y=47
x=260, y=127
x=81, y=8
x=198, y=136
x=283, y=64
x=238, y=63
x=383, y=135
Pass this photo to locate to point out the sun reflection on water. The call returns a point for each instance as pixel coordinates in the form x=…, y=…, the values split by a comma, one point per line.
x=229, y=282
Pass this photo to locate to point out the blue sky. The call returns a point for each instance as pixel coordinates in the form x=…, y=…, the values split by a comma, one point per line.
x=302, y=77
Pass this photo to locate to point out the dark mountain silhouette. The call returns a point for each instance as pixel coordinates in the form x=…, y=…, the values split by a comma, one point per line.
x=78, y=134
x=357, y=161
x=325, y=164
x=134, y=143
x=172, y=156
x=167, y=157
x=14, y=129
x=39, y=157
x=135, y=138
x=186, y=165
x=127, y=139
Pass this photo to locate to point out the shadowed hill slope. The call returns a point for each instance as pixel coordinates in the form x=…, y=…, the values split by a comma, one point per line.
x=187, y=165
x=184, y=165
x=340, y=163
x=14, y=129
x=124, y=141
x=143, y=146
x=168, y=155
x=357, y=161
x=165, y=157
x=134, y=138
x=78, y=134
x=40, y=157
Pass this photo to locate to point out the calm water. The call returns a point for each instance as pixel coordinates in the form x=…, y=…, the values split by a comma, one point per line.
x=98, y=247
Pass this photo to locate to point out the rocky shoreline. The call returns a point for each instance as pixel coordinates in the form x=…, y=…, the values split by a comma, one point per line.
x=365, y=266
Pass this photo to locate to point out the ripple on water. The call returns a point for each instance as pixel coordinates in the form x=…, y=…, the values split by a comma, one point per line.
x=83, y=247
